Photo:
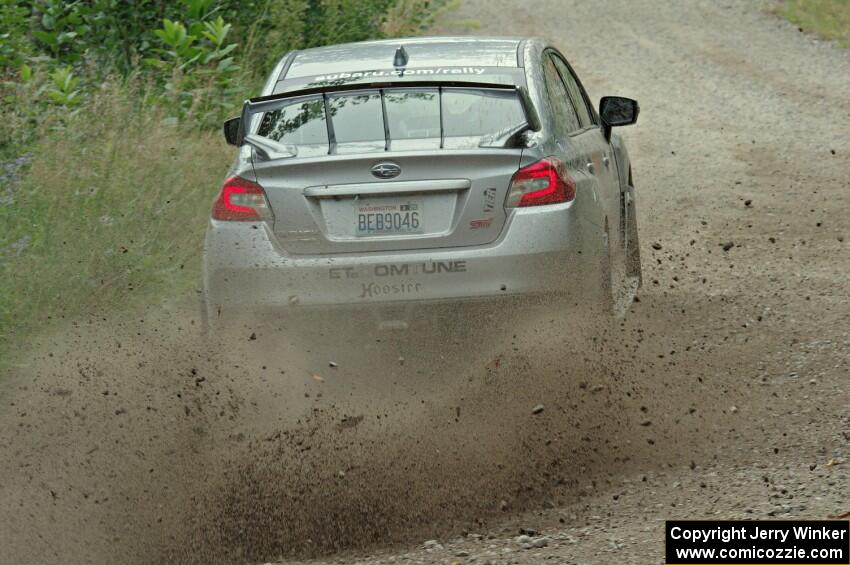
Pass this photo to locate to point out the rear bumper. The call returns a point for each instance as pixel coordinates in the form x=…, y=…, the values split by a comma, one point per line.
x=540, y=253
x=444, y=318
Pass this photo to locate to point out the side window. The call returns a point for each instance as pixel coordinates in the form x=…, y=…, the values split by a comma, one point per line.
x=565, y=114
x=585, y=114
x=301, y=122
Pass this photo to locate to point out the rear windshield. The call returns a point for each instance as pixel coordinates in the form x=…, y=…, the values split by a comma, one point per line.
x=394, y=119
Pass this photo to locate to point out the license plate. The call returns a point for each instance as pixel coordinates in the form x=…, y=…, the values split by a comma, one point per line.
x=388, y=218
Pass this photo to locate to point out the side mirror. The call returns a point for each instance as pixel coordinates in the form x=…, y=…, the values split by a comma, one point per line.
x=617, y=111
x=231, y=130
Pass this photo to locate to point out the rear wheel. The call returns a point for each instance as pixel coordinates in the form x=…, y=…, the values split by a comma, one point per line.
x=605, y=273
x=633, y=267
x=616, y=286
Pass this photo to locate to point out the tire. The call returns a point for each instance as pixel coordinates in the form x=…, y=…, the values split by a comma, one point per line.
x=620, y=262
x=634, y=271
x=606, y=286
x=633, y=267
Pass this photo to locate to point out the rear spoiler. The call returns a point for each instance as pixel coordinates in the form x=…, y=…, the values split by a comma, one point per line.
x=263, y=104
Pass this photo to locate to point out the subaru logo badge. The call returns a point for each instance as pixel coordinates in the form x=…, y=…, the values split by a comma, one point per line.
x=386, y=170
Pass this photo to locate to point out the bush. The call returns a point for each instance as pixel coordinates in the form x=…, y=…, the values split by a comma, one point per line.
x=14, y=45
x=108, y=159
x=198, y=58
x=187, y=44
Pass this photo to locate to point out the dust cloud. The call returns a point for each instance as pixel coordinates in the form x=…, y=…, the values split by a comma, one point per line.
x=140, y=440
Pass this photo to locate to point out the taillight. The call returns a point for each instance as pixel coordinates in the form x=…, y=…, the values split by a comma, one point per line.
x=544, y=182
x=241, y=200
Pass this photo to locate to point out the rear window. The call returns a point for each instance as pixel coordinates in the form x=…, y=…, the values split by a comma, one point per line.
x=471, y=113
x=394, y=119
x=357, y=121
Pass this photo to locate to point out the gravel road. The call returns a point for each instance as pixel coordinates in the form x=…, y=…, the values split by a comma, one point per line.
x=743, y=139
x=724, y=394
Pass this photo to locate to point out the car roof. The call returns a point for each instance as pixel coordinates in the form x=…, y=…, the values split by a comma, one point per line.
x=421, y=52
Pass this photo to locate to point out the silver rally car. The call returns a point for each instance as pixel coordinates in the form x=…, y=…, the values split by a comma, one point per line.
x=423, y=171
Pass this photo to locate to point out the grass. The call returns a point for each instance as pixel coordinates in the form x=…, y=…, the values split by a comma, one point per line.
x=111, y=211
x=830, y=19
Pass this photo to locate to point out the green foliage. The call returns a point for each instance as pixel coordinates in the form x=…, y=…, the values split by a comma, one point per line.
x=174, y=35
x=198, y=60
x=184, y=50
x=25, y=112
x=64, y=90
x=341, y=21
x=105, y=115
x=14, y=44
x=198, y=56
x=198, y=9
x=114, y=34
x=63, y=31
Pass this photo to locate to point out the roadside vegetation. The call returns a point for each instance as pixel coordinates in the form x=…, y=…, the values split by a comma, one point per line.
x=110, y=144
x=830, y=19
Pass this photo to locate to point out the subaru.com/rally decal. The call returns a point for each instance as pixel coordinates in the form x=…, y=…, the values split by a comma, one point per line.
x=405, y=72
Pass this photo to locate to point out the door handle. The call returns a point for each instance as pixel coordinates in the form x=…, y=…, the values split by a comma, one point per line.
x=605, y=160
x=590, y=168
